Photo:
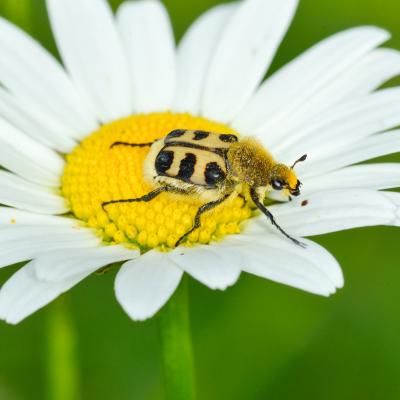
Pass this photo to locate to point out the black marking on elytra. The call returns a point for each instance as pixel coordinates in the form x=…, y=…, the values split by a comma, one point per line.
x=164, y=161
x=228, y=138
x=221, y=152
x=213, y=174
x=186, y=167
x=176, y=133
x=199, y=135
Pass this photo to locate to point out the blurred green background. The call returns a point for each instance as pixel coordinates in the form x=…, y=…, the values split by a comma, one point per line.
x=258, y=340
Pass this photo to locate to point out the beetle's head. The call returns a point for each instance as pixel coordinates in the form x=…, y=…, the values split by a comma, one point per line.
x=284, y=178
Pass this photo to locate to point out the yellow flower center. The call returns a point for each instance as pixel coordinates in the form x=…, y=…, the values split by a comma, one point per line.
x=96, y=173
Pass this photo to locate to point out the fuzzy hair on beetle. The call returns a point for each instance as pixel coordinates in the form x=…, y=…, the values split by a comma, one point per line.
x=215, y=168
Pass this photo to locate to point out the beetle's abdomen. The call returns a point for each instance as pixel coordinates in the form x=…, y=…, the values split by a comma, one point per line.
x=195, y=166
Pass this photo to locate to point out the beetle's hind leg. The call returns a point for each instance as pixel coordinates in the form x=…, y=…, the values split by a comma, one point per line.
x=204, y=208
x=147, y=197
x=131, y=144
x=267, y=213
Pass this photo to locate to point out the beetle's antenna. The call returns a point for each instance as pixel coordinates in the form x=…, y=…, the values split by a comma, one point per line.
x=301, y=159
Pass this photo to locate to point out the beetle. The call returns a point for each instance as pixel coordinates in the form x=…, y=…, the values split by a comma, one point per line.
x=213, y=167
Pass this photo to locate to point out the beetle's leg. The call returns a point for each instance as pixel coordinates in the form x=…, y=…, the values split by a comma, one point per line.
x=131, y=144
x=147, y=197
x=264, y=210
x=244, y=199
x=200, y=211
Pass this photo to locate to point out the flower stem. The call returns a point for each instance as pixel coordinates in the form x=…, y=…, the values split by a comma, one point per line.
x=177, y=346
x=62, y=362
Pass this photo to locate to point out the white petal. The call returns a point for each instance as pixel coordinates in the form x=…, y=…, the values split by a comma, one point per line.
x=373, y=70
x=46, y=232
x=57, y=266
x=90, y=47
x=16, y=192
x=214, y=266
x=312, y=269
x=368, y=148
x=34, y=123
x=23, y=294
x=11, y=216
x=148, y=38
x=394, y=197
x=243, y=55
x=27, y=158
x=194, y=55
x=144, y=285
x=342, y=126
x=32, y=74
x=369, y=176
x=21, y=243
x=335, y=210
x=363, y=77
x=292, y=87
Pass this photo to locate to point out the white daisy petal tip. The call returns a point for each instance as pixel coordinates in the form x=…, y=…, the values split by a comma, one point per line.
x=144, y=285
x=23, y=294
x=312, y=268
x=51, y=274
x=380, y=35
x=217, y=267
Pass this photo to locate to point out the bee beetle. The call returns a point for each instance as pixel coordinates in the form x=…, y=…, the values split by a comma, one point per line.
x=214, y=167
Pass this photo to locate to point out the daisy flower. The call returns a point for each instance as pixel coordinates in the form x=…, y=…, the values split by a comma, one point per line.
x=123, y=79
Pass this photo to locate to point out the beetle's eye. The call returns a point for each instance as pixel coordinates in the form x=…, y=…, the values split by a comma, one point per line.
x=277, y=184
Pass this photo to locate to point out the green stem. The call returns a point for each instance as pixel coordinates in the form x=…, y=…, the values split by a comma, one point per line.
x=62, y=362
x=19, y=12
x=177, y=346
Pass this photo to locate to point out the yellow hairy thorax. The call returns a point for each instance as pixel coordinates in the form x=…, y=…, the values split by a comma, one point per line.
x=251, y=162
x=96, y=173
